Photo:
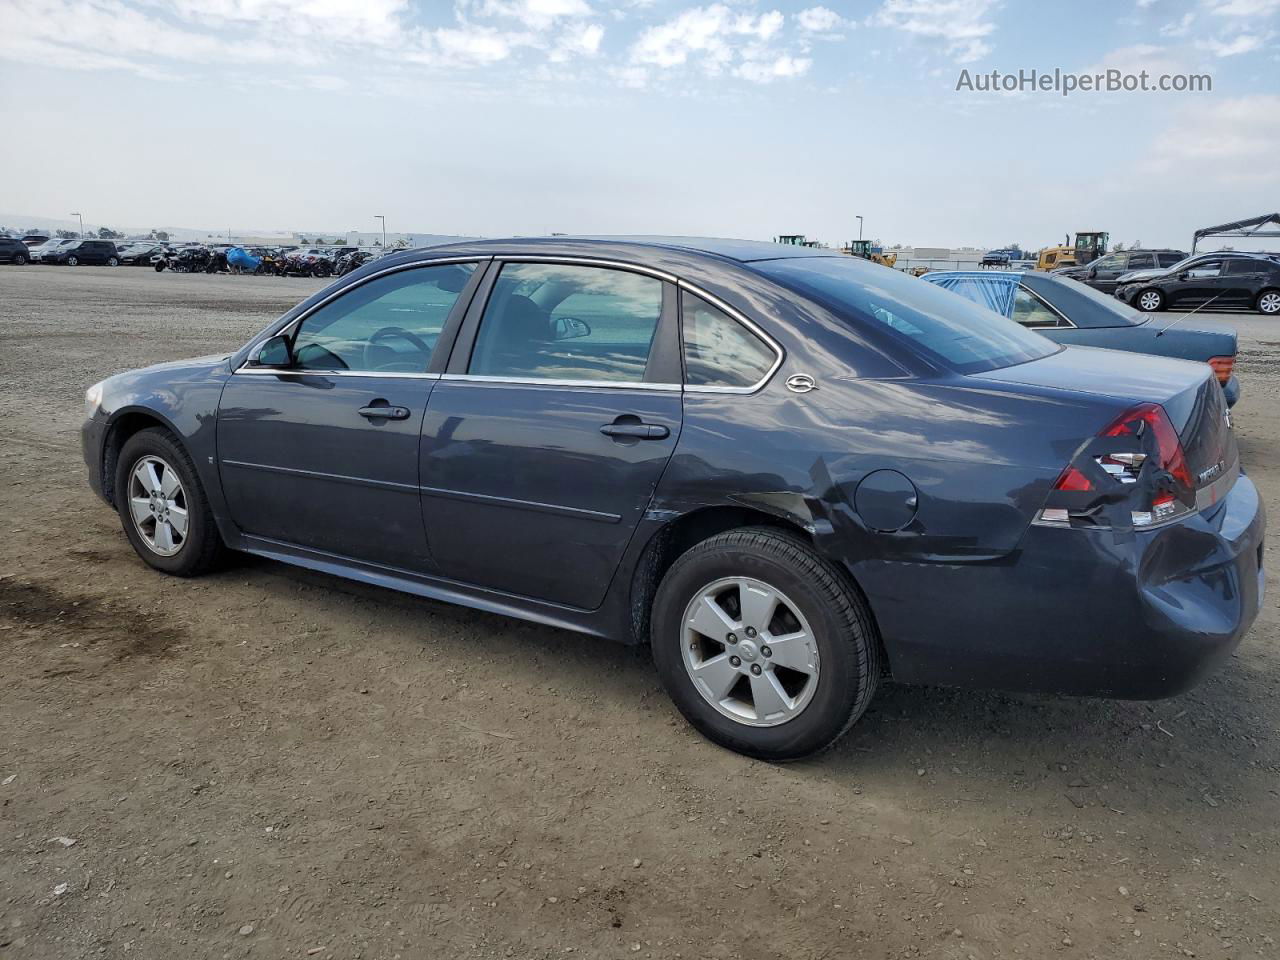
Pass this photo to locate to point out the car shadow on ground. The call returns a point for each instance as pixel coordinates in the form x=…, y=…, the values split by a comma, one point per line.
x=1198, y=748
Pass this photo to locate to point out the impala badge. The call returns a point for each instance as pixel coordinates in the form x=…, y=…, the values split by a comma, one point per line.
x=801, y=383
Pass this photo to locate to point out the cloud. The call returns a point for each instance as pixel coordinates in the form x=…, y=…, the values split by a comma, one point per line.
x=962, y=26
x=1242, y=8
x=821, y=20
x=1178, y=28
x=578, y=40
x=1240, y=43
x=534, y=14
x=719, y=40
x=1223, y=141
x=1134, y=59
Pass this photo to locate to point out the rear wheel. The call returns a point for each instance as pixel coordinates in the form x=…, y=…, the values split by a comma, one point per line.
x=1150, y=301
x=163, y=507
x=113, y=262
x=764, y=646
x=1269, y=302
x=20, y=260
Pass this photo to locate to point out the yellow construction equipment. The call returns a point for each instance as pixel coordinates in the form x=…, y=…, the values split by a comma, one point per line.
x=869, y=251
x=1089, y=245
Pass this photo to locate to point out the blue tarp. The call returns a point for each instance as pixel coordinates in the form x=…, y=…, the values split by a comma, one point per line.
x=239, y=257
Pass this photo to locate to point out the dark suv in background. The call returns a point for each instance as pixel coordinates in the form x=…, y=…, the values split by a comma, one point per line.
x=13, y=251
x=1103, y=273
x=99, y=252
x=1221, y=280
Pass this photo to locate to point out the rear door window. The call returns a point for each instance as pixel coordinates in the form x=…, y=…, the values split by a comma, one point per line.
x=1169, y=259
x=1240, y=265
x=548, y=321
x=1030, y=311
x=1142, y=261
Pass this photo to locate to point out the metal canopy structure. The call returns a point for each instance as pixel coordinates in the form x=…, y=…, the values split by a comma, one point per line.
x=1240, y=228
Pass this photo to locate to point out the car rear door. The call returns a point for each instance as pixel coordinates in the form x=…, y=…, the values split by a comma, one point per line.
x=323, y=454
x=1245, y=277
x=1102, y=273
x=545, y=439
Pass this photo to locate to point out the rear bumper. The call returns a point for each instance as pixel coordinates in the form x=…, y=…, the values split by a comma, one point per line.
x=1231, y=391
x=1087, y=612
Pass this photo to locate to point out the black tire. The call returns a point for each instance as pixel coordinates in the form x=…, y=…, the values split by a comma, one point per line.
x=202, y=549
x=20, y=260
x=1268, y=302
x=1153, y=296
x=160, y=265
x=847, y=641
x=112, y=262
x=73, y=262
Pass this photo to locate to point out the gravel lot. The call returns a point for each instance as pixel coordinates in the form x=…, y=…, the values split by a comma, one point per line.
x=273, y=763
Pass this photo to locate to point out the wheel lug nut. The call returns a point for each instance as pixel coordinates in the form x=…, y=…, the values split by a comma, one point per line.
x=736, y=661
x=755, y=668
x=751, y=631
x=732, y=638
x=766, y=651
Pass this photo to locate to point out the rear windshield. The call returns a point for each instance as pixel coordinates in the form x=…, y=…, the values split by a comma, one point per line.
x=945, y=328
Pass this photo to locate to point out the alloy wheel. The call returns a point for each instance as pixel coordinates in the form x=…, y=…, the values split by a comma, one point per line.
x=1149, y=301
x=158, y=506
x=1269, y=302
x=750, y=652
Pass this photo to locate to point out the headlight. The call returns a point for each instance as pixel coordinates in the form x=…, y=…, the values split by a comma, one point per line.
x=92, y=400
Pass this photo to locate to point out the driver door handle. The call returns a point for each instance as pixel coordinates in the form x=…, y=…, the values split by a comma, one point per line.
x=384, y=412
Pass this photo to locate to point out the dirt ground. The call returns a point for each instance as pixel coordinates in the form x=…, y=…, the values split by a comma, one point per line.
x=273, y=763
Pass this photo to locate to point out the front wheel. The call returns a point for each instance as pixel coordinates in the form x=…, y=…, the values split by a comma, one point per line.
x=1269, y=302
x=1150, y=301
x=20, y=260
x=73, y=262
x=163, y=507
x=765, y=647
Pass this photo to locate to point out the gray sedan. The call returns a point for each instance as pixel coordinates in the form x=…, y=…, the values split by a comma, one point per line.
x=1072, y=313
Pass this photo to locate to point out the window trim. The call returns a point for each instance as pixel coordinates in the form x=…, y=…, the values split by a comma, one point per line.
x=736, y=317
x=467, y=337
x=248, y=368
x=1066, y=321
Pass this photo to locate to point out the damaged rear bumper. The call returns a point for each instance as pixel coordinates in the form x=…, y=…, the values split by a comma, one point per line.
x=1141, y=614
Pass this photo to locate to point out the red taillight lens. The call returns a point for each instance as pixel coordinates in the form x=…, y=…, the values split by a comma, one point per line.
x=1223, y=367
x=1073, y=480
x=1152, y=416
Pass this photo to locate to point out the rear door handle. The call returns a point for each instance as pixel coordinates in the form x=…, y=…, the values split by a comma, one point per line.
x=636, y=431
x=384, y=412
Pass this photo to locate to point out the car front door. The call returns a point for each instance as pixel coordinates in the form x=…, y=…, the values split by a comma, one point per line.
x=1200, y=285
x=546, y=437
x=322, y=452
x=1103, y=273
x=1137, y=261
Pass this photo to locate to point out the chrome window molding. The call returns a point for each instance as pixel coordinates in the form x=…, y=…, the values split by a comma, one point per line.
x=1066, y=321
x=556, y=382
x=778, y=353
x=262, y=338
x=590, y=262
x=254, y=371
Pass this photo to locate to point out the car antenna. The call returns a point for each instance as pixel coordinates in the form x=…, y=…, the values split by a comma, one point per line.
x=1160, y=332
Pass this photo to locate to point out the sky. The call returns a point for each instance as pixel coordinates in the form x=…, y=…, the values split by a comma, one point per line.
x=746, y=118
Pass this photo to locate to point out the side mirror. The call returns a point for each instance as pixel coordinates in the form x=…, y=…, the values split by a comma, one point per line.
x=569, y=328
x=1185, y=274
x=275, y=352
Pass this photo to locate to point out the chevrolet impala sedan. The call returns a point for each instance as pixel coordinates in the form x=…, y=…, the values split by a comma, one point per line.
x=792, y=473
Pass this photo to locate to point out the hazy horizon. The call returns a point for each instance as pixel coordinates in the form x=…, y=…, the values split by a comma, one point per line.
x=743, y=118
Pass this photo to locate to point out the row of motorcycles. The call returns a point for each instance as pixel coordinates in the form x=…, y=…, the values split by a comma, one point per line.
x=260, y=262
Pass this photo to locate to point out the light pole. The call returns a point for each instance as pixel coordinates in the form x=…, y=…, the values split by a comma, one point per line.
x=81, y=222
x=859, y=216
x=384, y=229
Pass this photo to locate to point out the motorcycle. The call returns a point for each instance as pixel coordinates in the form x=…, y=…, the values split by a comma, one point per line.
x=352, y=261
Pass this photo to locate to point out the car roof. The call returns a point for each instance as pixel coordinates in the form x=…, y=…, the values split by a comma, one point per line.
x=743, y=251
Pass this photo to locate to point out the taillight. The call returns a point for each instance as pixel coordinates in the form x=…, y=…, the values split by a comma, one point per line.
x=1136, y=465
x=1223, y=367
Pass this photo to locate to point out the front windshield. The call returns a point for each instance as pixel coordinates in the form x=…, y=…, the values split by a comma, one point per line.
x=945, y=328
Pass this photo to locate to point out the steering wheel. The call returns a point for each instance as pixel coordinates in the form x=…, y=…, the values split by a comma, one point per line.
x=387, y=333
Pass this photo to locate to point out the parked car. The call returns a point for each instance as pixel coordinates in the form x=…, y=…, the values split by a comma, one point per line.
x=34, y=239
x=139, y=254
x=757, y=458
x=77, y=252
x=1001, y=258
x=40, y=251
x=1102, y=274
x=1222, y=280
x=14, y=251
x=1071, y=313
